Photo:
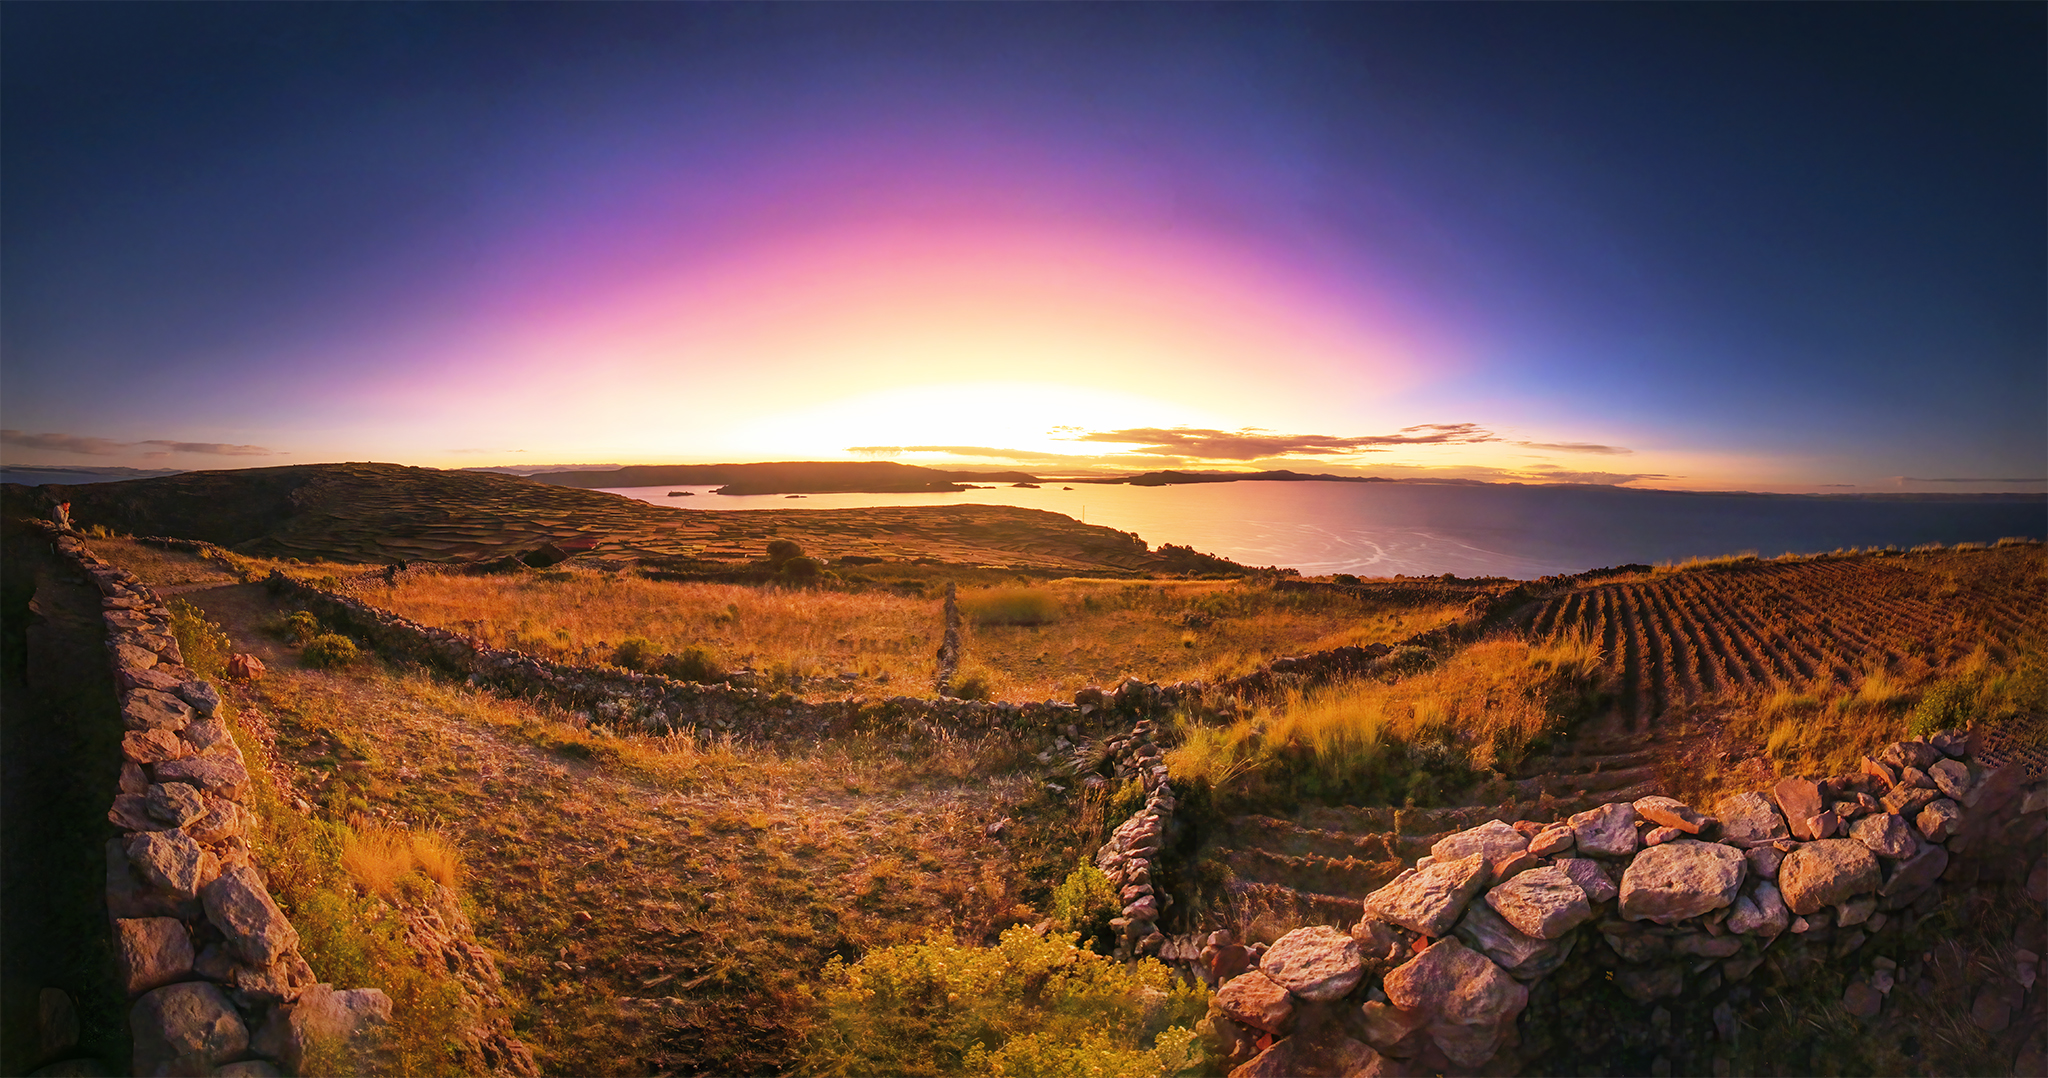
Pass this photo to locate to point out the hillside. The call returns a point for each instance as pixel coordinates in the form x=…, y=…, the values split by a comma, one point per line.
x=377, y=513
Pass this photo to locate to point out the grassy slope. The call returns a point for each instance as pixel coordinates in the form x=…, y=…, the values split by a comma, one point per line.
x=657, y=904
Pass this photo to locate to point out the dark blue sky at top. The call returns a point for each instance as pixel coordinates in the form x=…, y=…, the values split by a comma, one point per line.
x=1811, y=227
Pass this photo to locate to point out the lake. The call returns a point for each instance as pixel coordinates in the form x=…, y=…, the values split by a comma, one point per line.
x=1426, y=529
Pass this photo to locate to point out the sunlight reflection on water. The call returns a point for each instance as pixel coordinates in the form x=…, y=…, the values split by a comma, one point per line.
x=1425, y=529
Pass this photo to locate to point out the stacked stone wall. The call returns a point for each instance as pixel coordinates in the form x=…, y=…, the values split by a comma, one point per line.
x=212, y=965
x=1662, y=900
x=1131, y=856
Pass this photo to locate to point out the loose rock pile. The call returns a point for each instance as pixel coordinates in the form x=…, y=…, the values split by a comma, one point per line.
x=212, y=964
x=1664, y=899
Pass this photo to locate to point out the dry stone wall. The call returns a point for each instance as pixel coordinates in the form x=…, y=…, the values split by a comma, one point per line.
x=1662, y=899
x=1132, y=853
x=211, y=963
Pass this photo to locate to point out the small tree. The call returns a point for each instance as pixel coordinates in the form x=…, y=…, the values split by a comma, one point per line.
x=782, y=551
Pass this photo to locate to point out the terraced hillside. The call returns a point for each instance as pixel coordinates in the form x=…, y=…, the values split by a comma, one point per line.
x=1676, y=640
x=385, y=512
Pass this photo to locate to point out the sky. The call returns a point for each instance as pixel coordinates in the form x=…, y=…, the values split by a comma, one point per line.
x=1758, y=246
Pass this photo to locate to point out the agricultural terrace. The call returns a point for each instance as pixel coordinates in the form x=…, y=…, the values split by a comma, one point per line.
x=1819, y=647
x=1024, y=641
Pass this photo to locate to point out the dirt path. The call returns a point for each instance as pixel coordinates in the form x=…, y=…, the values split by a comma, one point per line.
x=655, y=904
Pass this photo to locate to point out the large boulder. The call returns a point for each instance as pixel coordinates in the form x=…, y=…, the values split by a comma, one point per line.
x=1542, y=902
x=151, y=952
x=187, y=1028
x=1429, y=900
x=240, y=906
x=1607, y=831
x=338, y=1032
x=1256, y=1000
x=1826, y=873
x=1318, y=963
x=1457, y=985
x=1750, y=820
x=1681, y=879
x=172, y=862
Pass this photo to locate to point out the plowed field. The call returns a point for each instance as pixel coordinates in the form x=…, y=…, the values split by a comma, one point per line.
x=1675, y=640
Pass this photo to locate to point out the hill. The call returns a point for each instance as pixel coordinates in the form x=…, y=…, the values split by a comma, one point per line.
x=787, y=477
x=386, y=512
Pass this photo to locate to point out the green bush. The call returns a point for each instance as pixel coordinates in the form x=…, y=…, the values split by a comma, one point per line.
x=1085, y=902
x=1028, y=1006
x=1948, y=705
x=300, y=627
x=205, y=646
x=329, y=650
x=972, y=685
x=637, y=653
x=1011, y=606
x=800, y=569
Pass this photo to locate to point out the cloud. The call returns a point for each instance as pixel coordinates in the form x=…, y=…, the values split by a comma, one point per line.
x=1911, y=479
x=1252, y=443
x=105, y=447
x=1021, y=456
x=1577, y=447
x=1603, y=479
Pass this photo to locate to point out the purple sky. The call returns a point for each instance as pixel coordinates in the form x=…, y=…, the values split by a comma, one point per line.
x=1794, y=247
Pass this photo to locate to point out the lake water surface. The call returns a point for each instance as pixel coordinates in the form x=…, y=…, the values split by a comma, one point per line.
x=1424, y=529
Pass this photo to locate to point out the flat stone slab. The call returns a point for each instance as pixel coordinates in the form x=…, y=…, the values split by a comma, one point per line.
x=1495, y=840
x=1591, y=878
x=1750, y=820
x=1318, y=963
x=1429, y=900
x=1670, y=812
x=1607, y=831
x=1543, y=902
x=1680, y=879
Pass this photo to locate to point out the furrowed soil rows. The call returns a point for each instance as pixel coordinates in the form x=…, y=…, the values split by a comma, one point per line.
x=1675, y=639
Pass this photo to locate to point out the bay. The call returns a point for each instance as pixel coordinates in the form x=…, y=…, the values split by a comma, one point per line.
x=1428, y=529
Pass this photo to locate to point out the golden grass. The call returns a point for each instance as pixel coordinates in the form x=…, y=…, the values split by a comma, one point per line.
x=1477, y=711
x=1060, y=635
x=378, y=855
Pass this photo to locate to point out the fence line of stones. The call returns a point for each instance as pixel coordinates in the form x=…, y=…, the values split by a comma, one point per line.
x=211, y=963
x=1131, y=857
x=1665, y=900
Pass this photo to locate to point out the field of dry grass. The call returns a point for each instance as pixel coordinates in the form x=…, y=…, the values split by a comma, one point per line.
x=1093, y=631
x=655, y=904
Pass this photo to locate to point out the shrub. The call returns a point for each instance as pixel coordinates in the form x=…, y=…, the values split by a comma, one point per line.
x=1949, y=705
x=329, y=651
x=782, y=551
x=300, y=627
x=1011, y=606
x=1085, y=903
x=800, y=569
x=694, y=664
x=973, y=685
x=1029, y=1005
x=637, y=653
x=205, y=646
